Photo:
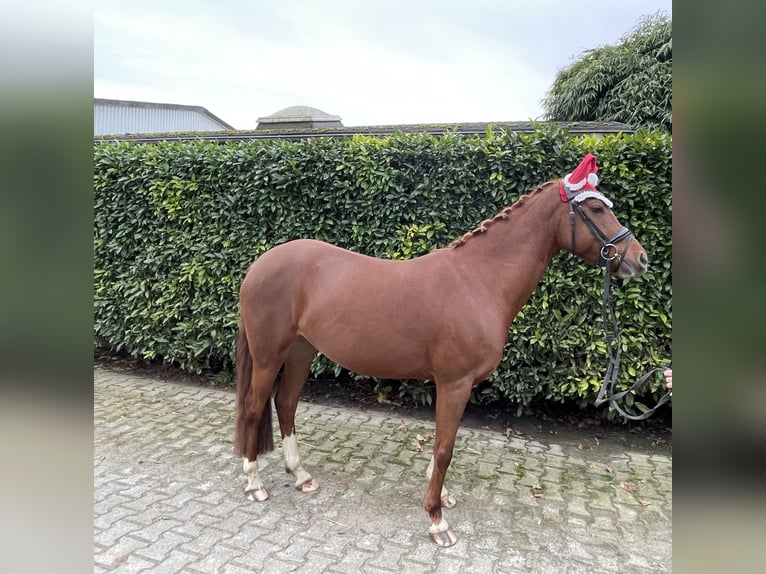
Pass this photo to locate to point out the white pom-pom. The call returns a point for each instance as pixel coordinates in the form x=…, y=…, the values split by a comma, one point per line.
x=592, y=179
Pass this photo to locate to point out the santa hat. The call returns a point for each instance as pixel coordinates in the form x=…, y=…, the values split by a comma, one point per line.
x=584, y=176
x=581, y=183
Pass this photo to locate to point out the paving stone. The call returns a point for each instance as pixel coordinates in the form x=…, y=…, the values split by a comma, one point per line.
x=163, y=547
x=115, y=532
x=352, y=561
x=175, y=561
x=168, y=494
x=117, y=554
x=216, y=558
x=231, y=569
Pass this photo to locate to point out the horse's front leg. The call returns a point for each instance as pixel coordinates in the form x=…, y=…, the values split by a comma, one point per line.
x=296, y=371
x=450, y=404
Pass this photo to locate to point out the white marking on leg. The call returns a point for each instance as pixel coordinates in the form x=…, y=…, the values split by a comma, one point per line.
x=254, y=489
x=429, y=472
x=303, y=479
x=442, y=534
x=442, y=526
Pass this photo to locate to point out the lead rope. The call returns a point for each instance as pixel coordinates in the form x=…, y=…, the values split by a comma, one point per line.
x=607, y=393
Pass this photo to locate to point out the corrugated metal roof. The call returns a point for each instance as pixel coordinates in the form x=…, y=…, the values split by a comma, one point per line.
x=130, y=117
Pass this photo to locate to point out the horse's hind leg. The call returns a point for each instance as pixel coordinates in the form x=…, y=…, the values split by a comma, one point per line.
x=258, y=413
x=255, y=490
x=296, y=371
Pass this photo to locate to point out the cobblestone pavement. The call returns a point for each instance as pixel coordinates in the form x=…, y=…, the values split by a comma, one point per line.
x=169, y=494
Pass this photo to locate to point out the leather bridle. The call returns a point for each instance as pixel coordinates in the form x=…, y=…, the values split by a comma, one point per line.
x=609, y=253
x=609, y=250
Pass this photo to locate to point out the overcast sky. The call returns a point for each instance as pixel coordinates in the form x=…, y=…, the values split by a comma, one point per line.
x=371, y=62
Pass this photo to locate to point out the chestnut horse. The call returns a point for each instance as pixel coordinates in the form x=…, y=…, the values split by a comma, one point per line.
x=444, y=316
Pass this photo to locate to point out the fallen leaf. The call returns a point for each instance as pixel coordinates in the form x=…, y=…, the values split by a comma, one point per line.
x=485, y=427
x=627, y=486
x=402, y=426
x=416, y=446
x=643, y=502
x=420, y=437
x=537, y=491
x=609, y=468
x=579, y=446
x=335, y=449
x=592, y=465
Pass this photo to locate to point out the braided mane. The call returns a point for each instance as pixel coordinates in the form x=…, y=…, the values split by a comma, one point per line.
x=502, y=215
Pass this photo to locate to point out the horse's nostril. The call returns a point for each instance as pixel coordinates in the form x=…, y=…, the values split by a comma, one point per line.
x=643, y=259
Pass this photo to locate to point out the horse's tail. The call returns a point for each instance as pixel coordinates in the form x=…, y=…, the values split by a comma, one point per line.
x=254, y=434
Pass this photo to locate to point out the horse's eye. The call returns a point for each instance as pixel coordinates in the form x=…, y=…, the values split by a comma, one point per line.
x=597, y=209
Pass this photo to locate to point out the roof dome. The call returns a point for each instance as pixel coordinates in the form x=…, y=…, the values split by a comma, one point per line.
x=299, y=117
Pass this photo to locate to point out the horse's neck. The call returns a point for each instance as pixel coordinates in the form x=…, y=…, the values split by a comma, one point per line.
x=510, y=257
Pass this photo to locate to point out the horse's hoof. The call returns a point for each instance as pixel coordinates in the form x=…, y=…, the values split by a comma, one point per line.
x=308, y=486
x=445, y=538
x=257, y=495
x=448, y=501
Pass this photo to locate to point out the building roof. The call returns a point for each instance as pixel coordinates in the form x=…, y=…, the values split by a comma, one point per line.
x=298, y=117
x=298, y=114
x=159, y=106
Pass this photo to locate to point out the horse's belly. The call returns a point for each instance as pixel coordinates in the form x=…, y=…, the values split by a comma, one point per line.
x=373, y=355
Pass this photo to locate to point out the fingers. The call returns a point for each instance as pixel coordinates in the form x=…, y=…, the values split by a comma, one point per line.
x=668, y=378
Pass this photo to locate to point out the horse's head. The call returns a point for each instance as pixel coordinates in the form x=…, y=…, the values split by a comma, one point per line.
x=591, y=231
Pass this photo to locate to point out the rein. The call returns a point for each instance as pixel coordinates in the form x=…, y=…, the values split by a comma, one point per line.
x=609, y=253
x=607, y=392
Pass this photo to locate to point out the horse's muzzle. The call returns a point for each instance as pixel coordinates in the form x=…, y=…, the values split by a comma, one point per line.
x=633, y=268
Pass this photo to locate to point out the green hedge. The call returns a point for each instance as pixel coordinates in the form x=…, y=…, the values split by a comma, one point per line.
x=178, y=223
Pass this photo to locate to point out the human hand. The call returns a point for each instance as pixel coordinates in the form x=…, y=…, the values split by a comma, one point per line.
x=669, y=380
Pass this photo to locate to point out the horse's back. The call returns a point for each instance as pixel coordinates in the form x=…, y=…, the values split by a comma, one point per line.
x=292, y=270
x=298, y=258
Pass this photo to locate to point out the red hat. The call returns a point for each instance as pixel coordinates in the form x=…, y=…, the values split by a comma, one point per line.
x=581, y=183
x=584, y=177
